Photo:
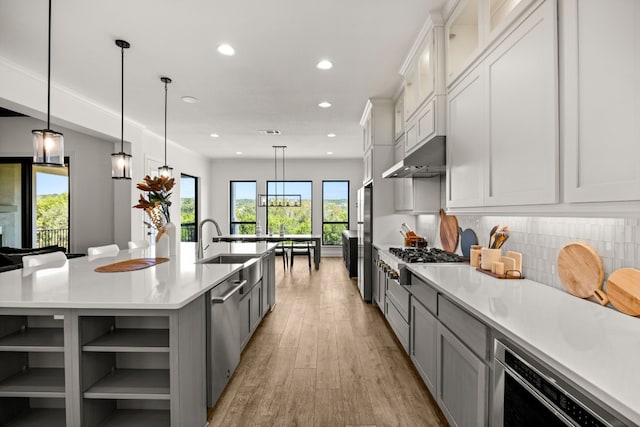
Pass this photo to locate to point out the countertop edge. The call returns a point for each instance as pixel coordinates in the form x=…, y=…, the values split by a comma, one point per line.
x=566, y=371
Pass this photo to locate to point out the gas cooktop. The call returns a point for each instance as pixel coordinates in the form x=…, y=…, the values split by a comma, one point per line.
x=421, y=255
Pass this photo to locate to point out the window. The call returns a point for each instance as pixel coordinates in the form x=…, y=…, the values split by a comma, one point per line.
x=188, y=208
x=335, y=211
x=295, y=220
x=34, y=204
x=243, y=207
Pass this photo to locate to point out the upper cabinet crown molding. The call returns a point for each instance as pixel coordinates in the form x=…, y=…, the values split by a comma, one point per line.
x=433, y=20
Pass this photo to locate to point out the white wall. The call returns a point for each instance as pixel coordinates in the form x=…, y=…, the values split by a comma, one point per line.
x=262, y=171
x=92, y=190
x=101, y=208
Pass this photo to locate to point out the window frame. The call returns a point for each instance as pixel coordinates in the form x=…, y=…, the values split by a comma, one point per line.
x=196, y=206
x=290, y=207
x=239, y=223
x=347, y=222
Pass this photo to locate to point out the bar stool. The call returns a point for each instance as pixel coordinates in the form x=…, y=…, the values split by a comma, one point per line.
x=135, y=244
x=301, y=249
x=281, y=250
x=106, y=250
x=53, y=258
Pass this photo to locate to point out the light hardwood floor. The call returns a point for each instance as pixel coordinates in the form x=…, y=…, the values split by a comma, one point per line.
x=323, y=357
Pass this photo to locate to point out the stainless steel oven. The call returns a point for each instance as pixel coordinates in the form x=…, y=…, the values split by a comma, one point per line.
x=526, y=394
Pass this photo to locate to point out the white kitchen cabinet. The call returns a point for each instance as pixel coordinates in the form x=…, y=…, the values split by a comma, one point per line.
x=398, y=121
x=600, y=64
x=466, y=142
x=427, y=122
x=368, y=165
x=424, y=339
x=462, y=382
x=503, y=144
x=501, y=13
x=522, y=102
x=463, y=34
x=423, y=69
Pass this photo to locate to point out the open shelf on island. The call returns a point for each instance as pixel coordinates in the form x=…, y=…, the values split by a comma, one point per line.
x=131, y=340
x=137, y=418
x=34, y=339
x=34, y=382
x=131, y=384
x=39, y=417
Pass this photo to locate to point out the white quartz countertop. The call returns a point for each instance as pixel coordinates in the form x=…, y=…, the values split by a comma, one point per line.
x=595, y=347
x=170, y=285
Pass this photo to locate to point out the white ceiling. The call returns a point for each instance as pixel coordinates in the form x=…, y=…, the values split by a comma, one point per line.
x=271, y=82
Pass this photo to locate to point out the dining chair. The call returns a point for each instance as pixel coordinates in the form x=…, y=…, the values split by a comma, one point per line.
x=281, y=250
x=105, y=250
x=300, y=249
x=31, y=261
x=135, y=244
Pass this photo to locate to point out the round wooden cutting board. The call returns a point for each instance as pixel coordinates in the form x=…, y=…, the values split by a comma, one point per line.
x=468, y=238
x=448, y=231
x=581, y=272
x=623, y=290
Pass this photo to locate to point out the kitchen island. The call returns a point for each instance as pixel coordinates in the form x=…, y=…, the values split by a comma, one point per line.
x=82, y=348
x=464, y=313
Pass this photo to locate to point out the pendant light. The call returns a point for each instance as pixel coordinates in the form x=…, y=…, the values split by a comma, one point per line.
x=286, y=200
x=121, y=162
x=165, y=170
x=48, y=145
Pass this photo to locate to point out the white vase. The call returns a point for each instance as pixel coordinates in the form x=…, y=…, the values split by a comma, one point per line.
x=162, y=246
x=170, y=230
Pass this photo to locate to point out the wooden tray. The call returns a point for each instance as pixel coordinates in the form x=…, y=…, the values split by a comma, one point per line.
x=501, y=276
x=130, y=265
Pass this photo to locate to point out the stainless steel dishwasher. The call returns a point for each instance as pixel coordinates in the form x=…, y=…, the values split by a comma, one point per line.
x=224, y=353
x=224, y=342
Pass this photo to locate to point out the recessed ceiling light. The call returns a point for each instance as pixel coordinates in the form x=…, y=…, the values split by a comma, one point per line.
x=324, y=104
x=239, y=153
x=226, y=50
x=324, y=65
x=331, y=135
x=214, y=135
x=190, y=99
x=329, y=152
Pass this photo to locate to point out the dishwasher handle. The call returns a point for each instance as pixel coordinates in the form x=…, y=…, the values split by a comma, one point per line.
x=224, y=298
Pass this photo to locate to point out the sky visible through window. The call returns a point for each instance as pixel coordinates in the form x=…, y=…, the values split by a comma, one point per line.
x=51, y=184
x=295, y=187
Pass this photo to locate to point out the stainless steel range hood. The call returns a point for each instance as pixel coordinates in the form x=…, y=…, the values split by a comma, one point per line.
x=426, y=162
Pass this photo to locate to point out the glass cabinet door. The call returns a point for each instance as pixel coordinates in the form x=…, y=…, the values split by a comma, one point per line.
x=463, y=37
x=500, y=11
x=426, y=67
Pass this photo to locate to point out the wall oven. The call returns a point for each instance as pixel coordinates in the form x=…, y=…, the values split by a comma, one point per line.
x=527, y=394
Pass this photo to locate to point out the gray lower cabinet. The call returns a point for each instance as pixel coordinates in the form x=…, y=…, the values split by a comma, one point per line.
x=382, y=290
x=250, y=312
x=35, y=368
x=424, y=339
x=462, y=390
x=94, y=367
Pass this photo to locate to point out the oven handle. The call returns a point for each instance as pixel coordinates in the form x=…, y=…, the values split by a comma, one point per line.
x=534, y=393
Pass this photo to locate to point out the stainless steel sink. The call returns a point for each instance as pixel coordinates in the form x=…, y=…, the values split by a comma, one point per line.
x=228, y=259
x=251, y=267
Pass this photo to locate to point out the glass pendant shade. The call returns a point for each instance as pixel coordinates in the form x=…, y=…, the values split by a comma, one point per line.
x=121, y=165
x=165, y=171
x=48, y=147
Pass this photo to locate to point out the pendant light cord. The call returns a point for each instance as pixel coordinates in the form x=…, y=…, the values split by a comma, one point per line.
x=49, y=72
x=122, y=104
x=165, y=122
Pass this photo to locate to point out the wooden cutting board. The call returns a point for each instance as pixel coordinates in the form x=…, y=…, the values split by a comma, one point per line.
x=448, y=231
x=130, y=265
x=581, y=271
x=623, y=290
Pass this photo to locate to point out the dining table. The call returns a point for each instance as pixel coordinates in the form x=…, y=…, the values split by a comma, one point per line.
x=315, y=238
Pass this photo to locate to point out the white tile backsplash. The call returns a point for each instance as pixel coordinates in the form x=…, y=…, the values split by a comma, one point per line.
x=616, y=240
